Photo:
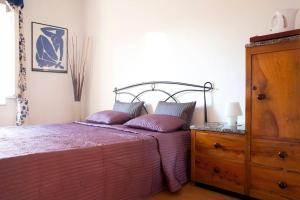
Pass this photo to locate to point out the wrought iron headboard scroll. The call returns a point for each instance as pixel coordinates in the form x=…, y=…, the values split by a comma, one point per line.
x=197, y=88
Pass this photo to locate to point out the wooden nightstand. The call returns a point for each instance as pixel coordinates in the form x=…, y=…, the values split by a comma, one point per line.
x=218, y=157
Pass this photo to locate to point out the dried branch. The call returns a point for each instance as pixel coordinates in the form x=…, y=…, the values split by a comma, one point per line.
x=78, y=64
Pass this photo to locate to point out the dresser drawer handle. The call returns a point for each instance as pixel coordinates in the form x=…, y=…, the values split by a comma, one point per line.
x=282, y=185
x=216, y=170
x=217, y=145
x=282, y=154
x=261, y=97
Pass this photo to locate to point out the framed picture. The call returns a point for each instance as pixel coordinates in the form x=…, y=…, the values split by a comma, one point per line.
x=49, y=48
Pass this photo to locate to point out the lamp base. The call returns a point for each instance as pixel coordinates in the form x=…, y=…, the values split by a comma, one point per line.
x=232, y=121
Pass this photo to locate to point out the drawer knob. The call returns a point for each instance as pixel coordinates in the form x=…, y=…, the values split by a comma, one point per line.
x=216, y=170
x=261, y=97
x=217, y=145
x=282, y=154
x=282, y=185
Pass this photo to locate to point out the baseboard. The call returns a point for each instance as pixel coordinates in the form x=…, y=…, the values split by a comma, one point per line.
x=226, y=192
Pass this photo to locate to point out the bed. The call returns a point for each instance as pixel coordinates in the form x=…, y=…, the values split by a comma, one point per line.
x=84, y=160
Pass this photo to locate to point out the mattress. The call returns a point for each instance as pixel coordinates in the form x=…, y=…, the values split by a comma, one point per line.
x=87, y=161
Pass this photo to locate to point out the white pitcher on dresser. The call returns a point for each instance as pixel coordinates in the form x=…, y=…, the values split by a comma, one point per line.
x=283, y=20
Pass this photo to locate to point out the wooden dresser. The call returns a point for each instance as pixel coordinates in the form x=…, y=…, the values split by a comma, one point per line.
x=218, y=159
x=264, y=163
x=273, y=120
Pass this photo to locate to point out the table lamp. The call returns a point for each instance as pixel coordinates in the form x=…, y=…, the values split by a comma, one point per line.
x=233, y=110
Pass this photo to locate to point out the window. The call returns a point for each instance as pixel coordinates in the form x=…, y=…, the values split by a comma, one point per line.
x=7, y=53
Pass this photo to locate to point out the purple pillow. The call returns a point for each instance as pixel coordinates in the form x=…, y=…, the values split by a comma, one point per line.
x=183, y=110
x=154, y=122
x=109, y=117
x=134, y=108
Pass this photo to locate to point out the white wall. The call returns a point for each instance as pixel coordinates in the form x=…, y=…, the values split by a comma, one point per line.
x=141, y=40
x=50, y=94
x=178, y=40
x=8, y=113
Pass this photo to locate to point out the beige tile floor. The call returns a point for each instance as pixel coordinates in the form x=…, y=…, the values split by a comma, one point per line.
x=191, y=192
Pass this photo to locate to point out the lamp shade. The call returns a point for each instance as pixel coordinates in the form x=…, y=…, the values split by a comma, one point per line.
x=233, y=109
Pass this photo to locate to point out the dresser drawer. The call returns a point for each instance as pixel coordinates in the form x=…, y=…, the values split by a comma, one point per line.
x=220, y=173
x=274, y=184
x=223, y=146
x=276, y=154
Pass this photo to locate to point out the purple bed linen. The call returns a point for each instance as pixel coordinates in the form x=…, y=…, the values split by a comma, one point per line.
x=86, y=161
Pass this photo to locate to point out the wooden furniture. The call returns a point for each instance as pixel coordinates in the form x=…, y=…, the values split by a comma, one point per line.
x=275, y=35
x=265, y=162
x=273, y=120
x=218, y=159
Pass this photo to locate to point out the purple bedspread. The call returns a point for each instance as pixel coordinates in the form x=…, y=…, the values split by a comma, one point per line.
x=86, y=161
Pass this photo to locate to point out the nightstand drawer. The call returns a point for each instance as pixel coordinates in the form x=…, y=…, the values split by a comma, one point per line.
x=224, y=174
x=274, y=184
x=276, y=154
x=220, y=145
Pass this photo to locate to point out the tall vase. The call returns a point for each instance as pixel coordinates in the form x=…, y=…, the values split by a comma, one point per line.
x=77, y=111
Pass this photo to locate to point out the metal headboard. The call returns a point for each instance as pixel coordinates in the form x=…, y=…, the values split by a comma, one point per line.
x=136, y=97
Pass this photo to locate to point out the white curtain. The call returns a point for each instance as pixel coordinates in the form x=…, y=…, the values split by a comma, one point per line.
x=7, y=53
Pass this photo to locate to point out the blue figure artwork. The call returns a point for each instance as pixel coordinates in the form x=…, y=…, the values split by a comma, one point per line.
x=50, y=48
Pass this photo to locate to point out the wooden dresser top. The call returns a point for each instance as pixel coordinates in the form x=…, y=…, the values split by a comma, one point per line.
x=273, y=41
x=220, y=128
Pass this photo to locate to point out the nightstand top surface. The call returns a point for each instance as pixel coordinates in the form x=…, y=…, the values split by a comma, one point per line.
x=219, y=127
